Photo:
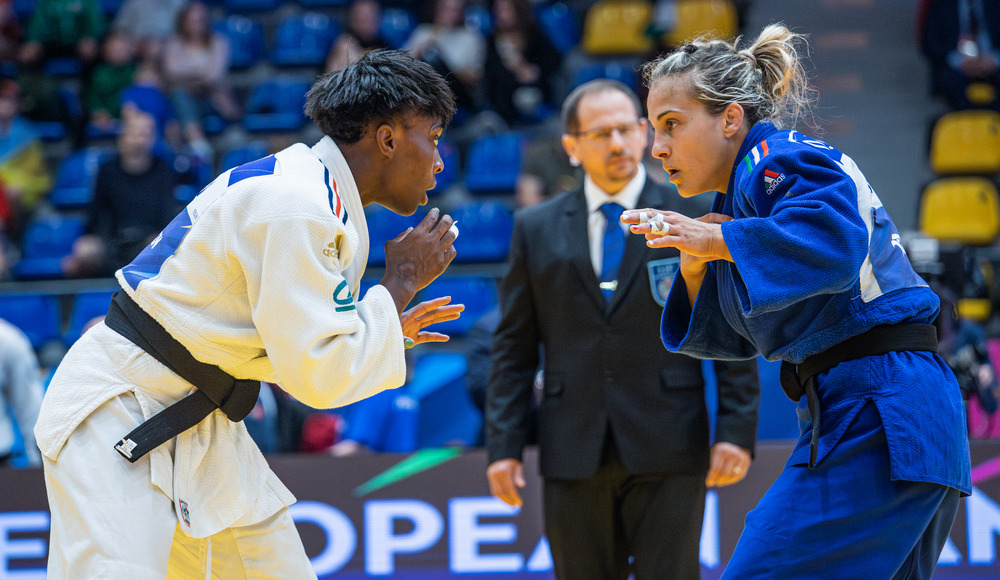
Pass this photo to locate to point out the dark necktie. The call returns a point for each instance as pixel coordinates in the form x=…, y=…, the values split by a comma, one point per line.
x=614, y=249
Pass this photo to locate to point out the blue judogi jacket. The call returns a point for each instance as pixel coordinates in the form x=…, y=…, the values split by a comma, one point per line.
x=816, y=260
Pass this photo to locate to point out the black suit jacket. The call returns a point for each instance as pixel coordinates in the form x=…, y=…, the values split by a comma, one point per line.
x=605, y=365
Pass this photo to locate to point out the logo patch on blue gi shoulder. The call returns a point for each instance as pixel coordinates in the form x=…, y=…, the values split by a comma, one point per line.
x=661, y=277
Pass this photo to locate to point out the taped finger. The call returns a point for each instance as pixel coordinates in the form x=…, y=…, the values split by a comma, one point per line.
x=658, y=226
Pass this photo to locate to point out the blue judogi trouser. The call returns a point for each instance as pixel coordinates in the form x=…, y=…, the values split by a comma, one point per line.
x=846, y=519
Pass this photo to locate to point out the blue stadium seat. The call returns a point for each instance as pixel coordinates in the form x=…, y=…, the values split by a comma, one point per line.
x=396, y=26
x=477, y=293
x=479, y=17
x=86, y=306
x=55, y=130
x=236, y=6
x=243, y=154
x=452, y=167
x=446, y=414
x=304, y=40
x=559, y=24
x=614, y=70
x=384, y=225
x=485, y=229
x=323, y=3
x=493, y=164
x=74, y=187
x=246, y=40
x=111, y=7
x=23, y=9
x=47, y=240
x=65, y=66
x=276, y=106
x=37, y=315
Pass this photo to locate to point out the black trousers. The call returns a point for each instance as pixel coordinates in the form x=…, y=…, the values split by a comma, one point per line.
x=614, y=523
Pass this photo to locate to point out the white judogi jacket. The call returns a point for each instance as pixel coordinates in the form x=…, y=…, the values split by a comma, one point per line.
x=258, y=276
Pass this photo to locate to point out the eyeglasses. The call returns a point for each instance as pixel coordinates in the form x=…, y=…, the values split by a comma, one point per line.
x=604, y=134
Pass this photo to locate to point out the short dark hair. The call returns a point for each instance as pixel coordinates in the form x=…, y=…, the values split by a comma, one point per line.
x=571, y=106
x=378, y=88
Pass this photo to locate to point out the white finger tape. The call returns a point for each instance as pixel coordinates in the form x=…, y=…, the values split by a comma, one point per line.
x=658, y=226
x=454, y=229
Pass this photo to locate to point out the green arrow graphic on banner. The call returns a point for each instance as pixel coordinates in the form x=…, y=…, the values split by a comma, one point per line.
x=417, y=462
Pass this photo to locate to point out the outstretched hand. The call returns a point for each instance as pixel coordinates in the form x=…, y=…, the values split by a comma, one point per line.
x=697, y=237
x=416, y=319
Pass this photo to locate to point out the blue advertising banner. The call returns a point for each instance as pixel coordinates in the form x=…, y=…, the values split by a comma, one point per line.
x=429, y=515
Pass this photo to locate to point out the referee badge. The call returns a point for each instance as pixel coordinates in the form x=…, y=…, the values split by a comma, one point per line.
x=661, y=276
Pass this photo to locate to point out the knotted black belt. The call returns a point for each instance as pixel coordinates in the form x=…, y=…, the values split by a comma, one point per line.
x=216, y=389
x=798, y=380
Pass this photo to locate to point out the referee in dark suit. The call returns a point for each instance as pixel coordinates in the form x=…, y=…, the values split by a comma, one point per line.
x=624, y=440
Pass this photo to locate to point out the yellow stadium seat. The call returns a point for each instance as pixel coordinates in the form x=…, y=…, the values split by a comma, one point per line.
x=617, y=27
x=961, y=209
x=966, y=142
x=977, y=309
x=714, y=18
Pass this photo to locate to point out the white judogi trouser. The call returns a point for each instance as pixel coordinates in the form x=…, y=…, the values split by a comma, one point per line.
x=94, y=488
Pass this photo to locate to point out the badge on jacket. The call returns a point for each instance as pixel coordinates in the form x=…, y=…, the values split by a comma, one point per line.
x=661, y=276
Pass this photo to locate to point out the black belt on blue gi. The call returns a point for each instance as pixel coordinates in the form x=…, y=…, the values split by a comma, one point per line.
x=798, y=380
x=216, y=389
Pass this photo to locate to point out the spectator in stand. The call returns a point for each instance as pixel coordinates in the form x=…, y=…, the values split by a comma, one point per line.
x=453, y=49
x=147, y=95
x=109, y=80
x=24, y=175
x=11, y=33
x=133, y=201
x=521, y=64
x=20, y=393
x=150, y=22
x=195, y=64
x=961, y=41
x=64, y=28
x=361, y=35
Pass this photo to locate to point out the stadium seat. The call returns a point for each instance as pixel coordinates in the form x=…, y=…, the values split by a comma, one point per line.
x=276, y=106
x=66, y=66
x=384, y=225
x=236, y=6
x=56, y=130
x=46, y=240
x=478, y=17
x=396, y=26
x=323, y=3
x=111, y=7
x=965, y=210
x=74, y=187
x=477, y=293
x=694, y=18
x=246, y=40
x=37, y=315
x=559, y=24
x=615, y=70
x=86, y=306
x=617, y=27
x=485, y=228
x=243, y=154
x=304, y=40
x=446, y=414
x=966, y=142
x=493, y=164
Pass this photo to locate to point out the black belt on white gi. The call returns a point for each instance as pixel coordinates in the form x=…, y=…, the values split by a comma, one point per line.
x=216, y=389
x=798, y=380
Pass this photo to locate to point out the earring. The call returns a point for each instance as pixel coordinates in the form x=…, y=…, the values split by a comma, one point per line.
x=574, y=161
